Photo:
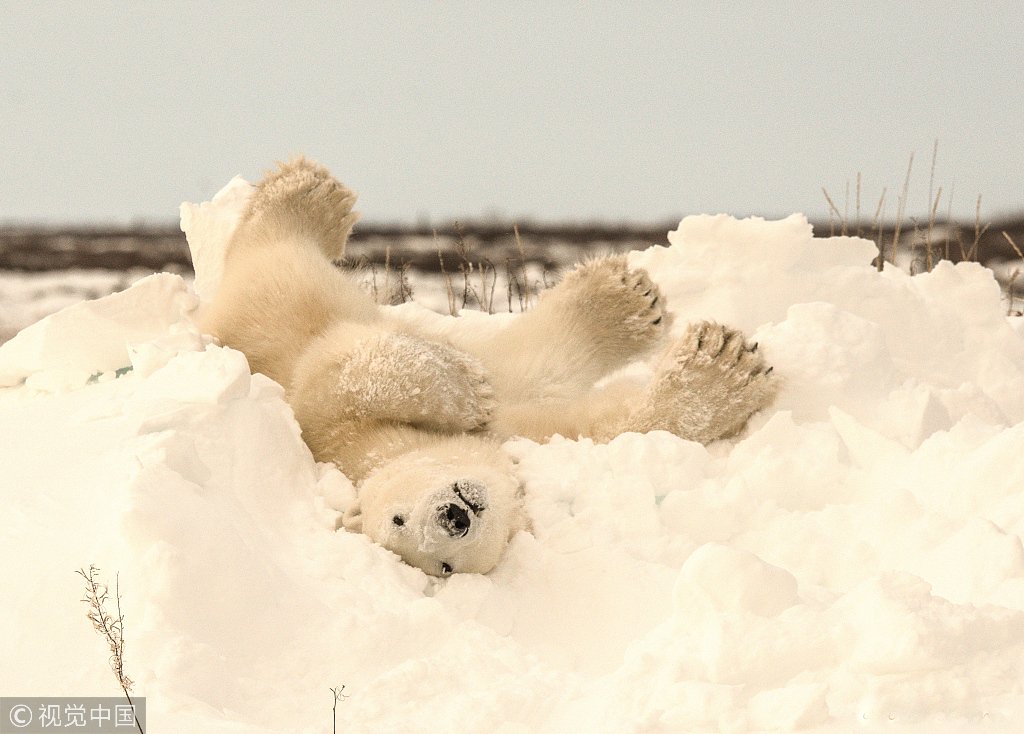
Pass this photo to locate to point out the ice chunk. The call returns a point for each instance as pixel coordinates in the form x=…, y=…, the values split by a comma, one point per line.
x=208, y=228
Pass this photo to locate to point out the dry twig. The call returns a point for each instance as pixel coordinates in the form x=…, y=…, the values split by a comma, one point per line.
x=111, y=627
x=900, y=208
x=339, y=695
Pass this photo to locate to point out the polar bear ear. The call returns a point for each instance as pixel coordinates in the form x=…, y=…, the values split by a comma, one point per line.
x=353, y=518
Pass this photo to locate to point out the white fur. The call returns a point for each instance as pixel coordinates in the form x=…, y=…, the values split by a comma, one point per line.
x=414, y=418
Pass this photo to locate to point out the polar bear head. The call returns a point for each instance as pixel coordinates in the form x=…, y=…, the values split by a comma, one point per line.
x=442, y=510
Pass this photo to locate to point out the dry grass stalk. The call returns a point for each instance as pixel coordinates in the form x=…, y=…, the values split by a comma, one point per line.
x=396, y=281
x=395, y=289
x=111, y=627
x=931, y=206
x=488, y=292
x=452, y=310
x=979, y=232
x=374, y=290
x=509, y=281
x=545, y=283
x=467, y=267
x=339, y=695
x=876, y=227
x=900, y=208
x=1013, y=244
x=387, y=271
x=1013, y=276
x=1009, y=293
x=833, y=210
x=403, y=280
x=928, y=249
x=521, y=278
x=917, y=263
x=479, y=278
x=930, y=230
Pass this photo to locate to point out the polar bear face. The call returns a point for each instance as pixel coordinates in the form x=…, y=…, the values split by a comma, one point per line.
x=440, y=514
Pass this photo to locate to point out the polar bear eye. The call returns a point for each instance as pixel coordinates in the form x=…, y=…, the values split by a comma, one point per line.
x=446, y=569
x=398, y=520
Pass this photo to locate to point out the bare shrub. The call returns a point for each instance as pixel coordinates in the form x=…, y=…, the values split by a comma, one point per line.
x=110, y=627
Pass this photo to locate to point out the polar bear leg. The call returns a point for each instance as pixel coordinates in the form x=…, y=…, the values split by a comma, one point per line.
x=602, y=315
x=601, y=414
x=356, y=377
x=706, y=387
x=279, y=289
x=301, y=198
x=609, y=312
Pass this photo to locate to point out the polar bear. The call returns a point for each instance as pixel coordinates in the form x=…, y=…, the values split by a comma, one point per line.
x=417, y=420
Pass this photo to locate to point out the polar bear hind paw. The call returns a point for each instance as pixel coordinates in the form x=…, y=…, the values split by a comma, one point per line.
x=302, y=196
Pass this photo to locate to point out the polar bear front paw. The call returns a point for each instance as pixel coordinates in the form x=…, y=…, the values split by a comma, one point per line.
x=618, y=309
x=464, y=399
x=303, y=196
x=406, y=379
x=707, y=385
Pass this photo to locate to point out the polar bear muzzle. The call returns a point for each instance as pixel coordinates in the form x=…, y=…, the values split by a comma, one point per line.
x=456, y=515
x=454, y=520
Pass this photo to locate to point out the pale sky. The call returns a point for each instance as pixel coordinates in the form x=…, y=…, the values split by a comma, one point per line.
x=547, y=111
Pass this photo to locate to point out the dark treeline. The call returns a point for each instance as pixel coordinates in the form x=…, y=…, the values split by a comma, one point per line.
x=41, y=248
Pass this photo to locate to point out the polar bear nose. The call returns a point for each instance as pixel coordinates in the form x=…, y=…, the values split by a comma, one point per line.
x=455, y=520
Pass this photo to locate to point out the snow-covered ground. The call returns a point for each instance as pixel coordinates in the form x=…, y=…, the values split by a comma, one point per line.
x=853, y=561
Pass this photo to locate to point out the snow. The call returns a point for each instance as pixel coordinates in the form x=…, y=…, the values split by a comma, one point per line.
x=28, y=297
x=854, y=559
x=74, y=344
x=208, y=227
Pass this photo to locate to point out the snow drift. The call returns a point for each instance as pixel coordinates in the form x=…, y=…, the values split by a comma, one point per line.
x=855, y=557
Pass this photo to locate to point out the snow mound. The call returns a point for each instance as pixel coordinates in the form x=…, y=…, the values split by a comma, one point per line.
x=855, y=557
x=67, y=348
